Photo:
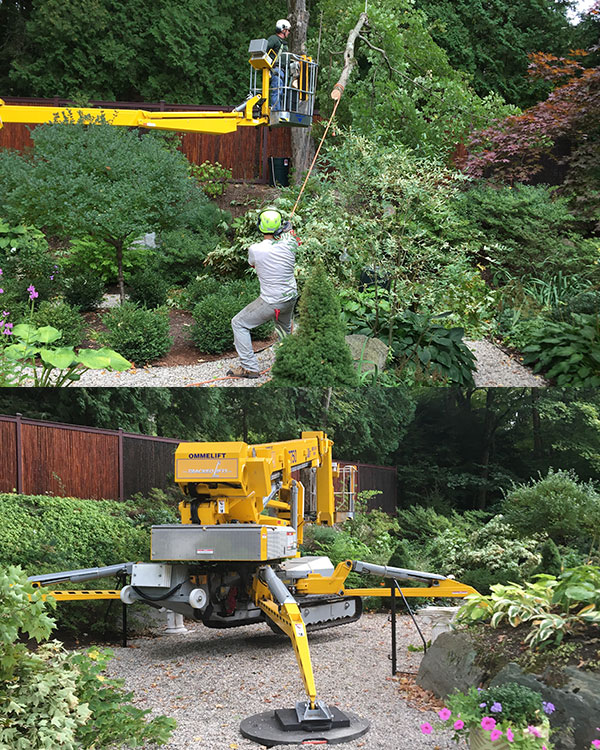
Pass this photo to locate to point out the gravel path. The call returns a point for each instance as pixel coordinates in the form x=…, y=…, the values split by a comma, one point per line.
x=209, y=680
x=495, y=368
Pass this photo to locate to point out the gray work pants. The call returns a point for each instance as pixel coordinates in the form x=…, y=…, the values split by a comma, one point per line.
x=252, y=316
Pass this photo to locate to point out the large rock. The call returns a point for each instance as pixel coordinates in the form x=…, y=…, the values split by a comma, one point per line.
x=577, y=704
x=449, y=665
x=368, y=353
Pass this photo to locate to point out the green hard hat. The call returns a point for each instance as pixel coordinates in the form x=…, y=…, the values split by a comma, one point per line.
x=269, y=221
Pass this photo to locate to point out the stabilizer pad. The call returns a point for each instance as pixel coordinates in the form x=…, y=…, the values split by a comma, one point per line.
x=281, y=727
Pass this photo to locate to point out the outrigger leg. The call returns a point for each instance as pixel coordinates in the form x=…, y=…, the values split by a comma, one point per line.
x=310, y=721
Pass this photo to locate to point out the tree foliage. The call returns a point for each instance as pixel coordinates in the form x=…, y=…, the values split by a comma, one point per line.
x=403, y=88
x=491, y=41
x=98, y=180
x=190, y=51
x=513, y=149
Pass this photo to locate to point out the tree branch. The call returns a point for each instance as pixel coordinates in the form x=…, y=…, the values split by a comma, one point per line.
x=349, y=59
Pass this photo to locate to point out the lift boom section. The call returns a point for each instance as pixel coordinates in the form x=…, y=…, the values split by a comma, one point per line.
x=293, y=103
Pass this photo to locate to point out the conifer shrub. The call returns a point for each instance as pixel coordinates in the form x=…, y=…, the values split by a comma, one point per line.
x=139, y=335
x=317, y=355
x=147, y=287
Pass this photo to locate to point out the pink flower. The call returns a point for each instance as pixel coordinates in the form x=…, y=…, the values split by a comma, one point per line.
x=32, y=293
x=509, y=735
x=488, y=723
x=595, y=743
x=459, y=724
x=495, y=734
x=445, y=714
x=534, y=731
x=426, y=728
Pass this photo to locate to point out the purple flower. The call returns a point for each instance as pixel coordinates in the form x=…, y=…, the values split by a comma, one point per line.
x=1, y=291
x=496, y=707
x=482, y=705
x=488, y=723
x=0, y=272
x=548, y=707
x=534, y=731
x=32, y=293
x=52, y=277
x=426, y=728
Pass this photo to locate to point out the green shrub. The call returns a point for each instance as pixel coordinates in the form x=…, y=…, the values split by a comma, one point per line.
x=587, y=302
x=199, y=288
x=568, y=353
x=25, y=259
x=64, y=317
x=560, y=504
x=140, y=335
x=212, y=331
x=551, y=562
x=317, y=355
x=52, y=698
x=92, y=256
x=182, y=252
x=489, y=554
x=147, y=287
x=83, y=290
x=212, y=177
x=524, y=230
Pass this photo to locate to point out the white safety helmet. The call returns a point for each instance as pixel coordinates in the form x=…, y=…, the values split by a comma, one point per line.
x=282, y=25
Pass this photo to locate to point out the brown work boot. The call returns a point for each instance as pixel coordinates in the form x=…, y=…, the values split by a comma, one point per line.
x=241, y=372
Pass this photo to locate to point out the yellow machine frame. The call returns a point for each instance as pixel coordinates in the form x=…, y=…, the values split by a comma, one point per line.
x=231, y=487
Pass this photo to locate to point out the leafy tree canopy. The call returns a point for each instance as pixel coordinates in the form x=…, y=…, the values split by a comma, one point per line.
x=189, y=51
x=403, y=89
x=491, y=41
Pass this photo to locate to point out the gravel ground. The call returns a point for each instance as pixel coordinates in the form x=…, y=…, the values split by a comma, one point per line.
x=209, y=680
x=495, y=368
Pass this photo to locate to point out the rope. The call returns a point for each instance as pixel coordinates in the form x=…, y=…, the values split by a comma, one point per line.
x=337, y=101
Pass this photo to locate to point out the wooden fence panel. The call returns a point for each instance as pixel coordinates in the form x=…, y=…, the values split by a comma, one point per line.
x=68, y=462
x=147, y=464
x=380, y=478
x=8, y=456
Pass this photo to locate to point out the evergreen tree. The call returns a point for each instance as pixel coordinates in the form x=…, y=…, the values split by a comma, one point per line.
x=318, y=354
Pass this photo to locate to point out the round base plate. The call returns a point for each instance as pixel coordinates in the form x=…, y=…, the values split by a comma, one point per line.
x=266, y=729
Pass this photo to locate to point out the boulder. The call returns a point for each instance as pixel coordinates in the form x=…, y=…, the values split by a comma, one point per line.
x=368, y=353
x=449, y=665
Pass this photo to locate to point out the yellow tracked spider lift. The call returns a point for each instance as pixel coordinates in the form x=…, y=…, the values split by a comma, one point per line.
x=294, y=103
x=233, y=560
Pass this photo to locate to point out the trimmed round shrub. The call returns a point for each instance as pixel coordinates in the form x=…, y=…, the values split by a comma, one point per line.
x=84, y=291
x=212, y=331
x=63, y=317
x=147, y=287
x=139, y=335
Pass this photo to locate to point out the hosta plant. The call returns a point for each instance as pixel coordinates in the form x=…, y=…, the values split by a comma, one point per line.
x=551, y=607
x=59, y=366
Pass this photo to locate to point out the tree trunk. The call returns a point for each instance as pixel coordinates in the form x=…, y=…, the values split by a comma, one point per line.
x=303, y=147
x=120, y=277
x=538, y=445
x=489, y=428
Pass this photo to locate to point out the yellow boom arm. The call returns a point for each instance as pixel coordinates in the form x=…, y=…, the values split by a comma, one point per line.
x=217, y=123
